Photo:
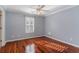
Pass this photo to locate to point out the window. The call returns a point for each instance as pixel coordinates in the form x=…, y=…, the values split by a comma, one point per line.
x=29, y=24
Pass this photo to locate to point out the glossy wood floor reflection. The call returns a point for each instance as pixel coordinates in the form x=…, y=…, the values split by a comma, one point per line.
x=42, y=45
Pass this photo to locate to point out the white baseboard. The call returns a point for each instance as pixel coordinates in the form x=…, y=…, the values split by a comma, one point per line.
x=21, y=39
x=45, y=36
x=61, y=41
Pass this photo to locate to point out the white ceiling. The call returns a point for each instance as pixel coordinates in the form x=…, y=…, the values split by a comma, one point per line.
x=31, y=9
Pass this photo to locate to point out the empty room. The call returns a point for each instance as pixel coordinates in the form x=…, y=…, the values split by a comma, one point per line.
x=39, y=28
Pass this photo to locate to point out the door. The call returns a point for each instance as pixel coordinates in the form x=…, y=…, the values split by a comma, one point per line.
x=0, y=30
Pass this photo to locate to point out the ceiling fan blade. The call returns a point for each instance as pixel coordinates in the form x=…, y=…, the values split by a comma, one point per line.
x=40, y=7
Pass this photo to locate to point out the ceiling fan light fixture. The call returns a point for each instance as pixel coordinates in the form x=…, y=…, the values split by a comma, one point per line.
x=39, y=10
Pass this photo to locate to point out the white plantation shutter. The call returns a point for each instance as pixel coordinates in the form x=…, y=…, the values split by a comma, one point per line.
x=29, y=24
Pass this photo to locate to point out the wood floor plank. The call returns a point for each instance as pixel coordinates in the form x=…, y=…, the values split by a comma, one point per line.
x=42, y=45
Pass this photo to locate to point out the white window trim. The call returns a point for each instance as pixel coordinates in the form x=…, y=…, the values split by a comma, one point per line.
x=29, y=20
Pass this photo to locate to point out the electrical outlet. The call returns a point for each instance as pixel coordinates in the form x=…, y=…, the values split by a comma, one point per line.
x=49, y=33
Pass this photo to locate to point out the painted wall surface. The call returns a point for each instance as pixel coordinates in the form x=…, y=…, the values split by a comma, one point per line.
x=64, y=25
x=15, y=26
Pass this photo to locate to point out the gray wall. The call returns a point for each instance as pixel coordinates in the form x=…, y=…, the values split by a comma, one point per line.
x=64, y=25
x=15, y=26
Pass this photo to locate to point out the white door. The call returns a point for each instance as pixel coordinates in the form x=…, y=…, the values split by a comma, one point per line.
x=0, y=32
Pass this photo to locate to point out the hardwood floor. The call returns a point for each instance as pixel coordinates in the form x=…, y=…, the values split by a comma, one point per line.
x=42, y=45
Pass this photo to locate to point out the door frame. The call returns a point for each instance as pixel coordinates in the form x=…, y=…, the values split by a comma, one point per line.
x=3, y=26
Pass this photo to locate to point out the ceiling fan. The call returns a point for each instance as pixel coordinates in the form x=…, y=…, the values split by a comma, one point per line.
x=40, y=10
